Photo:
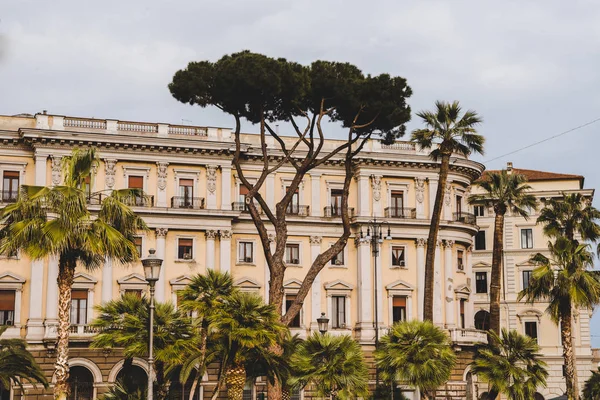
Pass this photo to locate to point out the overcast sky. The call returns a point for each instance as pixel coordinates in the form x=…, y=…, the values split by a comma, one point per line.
x=529, y=68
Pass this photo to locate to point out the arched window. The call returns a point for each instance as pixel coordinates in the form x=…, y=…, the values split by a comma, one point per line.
x=482, y=320
x=177, y=391
x=81, y=382
x=133, y=378
x=538, y=396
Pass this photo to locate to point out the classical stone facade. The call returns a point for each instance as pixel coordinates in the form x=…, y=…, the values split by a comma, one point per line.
x=196, y=209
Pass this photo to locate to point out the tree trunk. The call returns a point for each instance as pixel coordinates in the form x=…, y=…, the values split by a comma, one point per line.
x=275, y=390
x=235, y=378
x=568, y=353
x=162, y=390
x=217, y=388
x=432, y=239
x=496, y=278
x=492, y=394
x=66, y=273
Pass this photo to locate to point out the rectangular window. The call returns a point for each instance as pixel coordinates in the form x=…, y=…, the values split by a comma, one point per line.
x=398, y=309
x=136, y=182
x=135, y=292
x=246, y=252
x=10, y=186
x=531, y=329
x=480, y=240
x=184, y=249
x=88, y=187
x=294, y=206
x=338, y=259
x=292, y=254
x=527, y=238
x=7, y=307
x=526, y=278
x=336, y=202
x=79, y=299
x=137, y=242
x=338, y=310
x=398, y=256
x=458, y=205
x=289, y=299
x=460, y=264
x=186, y=192
x=462, y=313
x=243, y=192
x=479, y=211
x=397, y=204
x=481, y=285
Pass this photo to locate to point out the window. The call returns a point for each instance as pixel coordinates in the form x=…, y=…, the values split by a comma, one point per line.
x=137, y=242
x=294, y=206
x=338, y=259
x=79, y=305
x=88, y=187
x=479, y=211
x=292, y=254
x=480, y=240
x=133, y=292
x=186, y=192
x=527, y=238
x=338, y=311
x=531, y=329
x=398, y=309
x=289, y=299
x=482, y=320
x=526, y=278
x=246, y=252
x=10, y=186
x=460, y=260
x=462, y=313
x=481, y=285
x=398, y=256
x=247, y=393
x=7, y=307
x=243, y=192
x=137, y=182
x=458, y=205
x=397, y=204
x=184, y=249
x=336, y=202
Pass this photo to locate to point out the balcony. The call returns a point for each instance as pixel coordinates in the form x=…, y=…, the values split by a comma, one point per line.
x=194, y=203
x=468, y=336
x=464, y=217
x=95, y=199
x=332, y=212
x=9, y=196
x=404, y=213
x=243, y=207
x=297, y=209
x=140, y=201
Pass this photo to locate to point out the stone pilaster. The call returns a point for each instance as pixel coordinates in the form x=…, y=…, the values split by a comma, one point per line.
x=211, y=187
x=161, y=244
x=226, y=187
x=421, y=243
x=420, y=196
x=225, y=251
x=316, y=290
x=376, y=190
x=364, y=325
x=449, y=285
x=211, y=235
x=161, y=184
x=438, y=293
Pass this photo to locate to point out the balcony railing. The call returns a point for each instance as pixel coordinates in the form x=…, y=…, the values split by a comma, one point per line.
x=396, y=212
x=9, y=196
x=468, y=336
x=95, y=199
x=297, y=209
x=330, y=212
x=464, y=217
x=141, y=201
x=83, y=330
x=195, y=203
x=243, y=207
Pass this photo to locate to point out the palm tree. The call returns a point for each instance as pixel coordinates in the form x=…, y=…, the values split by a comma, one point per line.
x=449, y=132
x=334, y=365
x=17, y=364
x=201, y=298
x=591, y=390
x=511, y=365
x=243, y=327
x=506, y=193
x=566, y=282
x=121, y=391
x=124, y=323
x=417, y=353
x=55, y=221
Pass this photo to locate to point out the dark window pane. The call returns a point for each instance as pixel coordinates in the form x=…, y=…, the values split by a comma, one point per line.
x=480, y=240
x=481, y=285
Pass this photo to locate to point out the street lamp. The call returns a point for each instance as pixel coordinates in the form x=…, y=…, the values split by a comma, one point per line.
x=375, y=236
x=323, y=323
x=152, y=266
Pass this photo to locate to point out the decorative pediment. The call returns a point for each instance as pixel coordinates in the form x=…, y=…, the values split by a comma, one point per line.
x=482, y=264
x=180, y=282
x=400, y=285
x=84, y=281
x=132, y=279
x=526, y=263
x=292, y=284
x=9, y=280
x=530, y=313
x=464, y=289
x=338, y=285
x=247, y=284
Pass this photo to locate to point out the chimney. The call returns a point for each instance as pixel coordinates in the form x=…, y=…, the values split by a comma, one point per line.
x=509, y=167
x=45, y=112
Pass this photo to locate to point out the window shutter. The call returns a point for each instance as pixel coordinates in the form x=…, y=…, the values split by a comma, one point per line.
x=136, y=182
x=399, y=301
x=11, y=174
x=243, y=190
x=186, y=182
x=7, y=300
x=185, y=242
x=79, y=294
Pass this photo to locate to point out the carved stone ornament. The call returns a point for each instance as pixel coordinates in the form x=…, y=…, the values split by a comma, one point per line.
x=376, y=185
x=225, y=234
x=316, y=239
x=161, y=232
x=449, y=244
x=420, y=188
x=109, y=172
x=421, y=242
x=358, y=241
x=211, y=178
x=271, y=237
x=211, y=234
x=56, y=169
x=447, y=198
x=162, y=174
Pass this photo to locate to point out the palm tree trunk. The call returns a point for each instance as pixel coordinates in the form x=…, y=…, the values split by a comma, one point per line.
x=492, y=394
x=162, y=384
x=568, y=353
x=195, y=385
x=236, y=379
x=217, y=388
x=432, y=239
x=496, y=278
x=66, y=273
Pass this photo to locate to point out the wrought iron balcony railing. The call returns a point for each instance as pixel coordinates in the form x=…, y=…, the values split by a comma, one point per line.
x=9, y=196
x=297, y=209
x=397, y=212
x=141, y=201
x=195, y=203
x=330, y=212
x=464, y=217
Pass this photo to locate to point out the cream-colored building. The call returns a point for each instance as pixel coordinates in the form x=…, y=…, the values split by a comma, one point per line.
x=197, y=219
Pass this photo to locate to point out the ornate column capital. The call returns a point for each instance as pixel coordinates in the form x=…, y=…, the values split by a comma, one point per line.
x=211, y=234
x=316, y=240
x=162, y=174
x=358, y=241
x=421, y=242
x=225, y=234
x=470, y=249
x=161, y=232
x=448, y=244
x=439, y=243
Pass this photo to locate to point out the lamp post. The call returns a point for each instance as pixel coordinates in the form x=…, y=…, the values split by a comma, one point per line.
x=323, y=323
x=152, y=266
x=375, y=236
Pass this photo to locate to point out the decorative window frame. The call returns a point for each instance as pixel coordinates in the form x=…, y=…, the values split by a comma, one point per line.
x=194, y=248
x=391, y=248
x=332, y=185
x=463, y=292
x=400, y=288
x=300, y=258
x=481, y=267
x=464, y=260
x=484, y=228
x=12, y=166
x=177, y=284
x=11, y=281
x=129, y=170
x=285, y=182
x=521, y=267
x=520, y=227
x=292, y=287
x=339, y=288
x=531, y=315
x=238, y=183
x=83, y=281
x=462, y=192
x=246, y=284
x=238, y=253
x=345, y=253
x=144, y=244
x=397, y=187
x=179, y=173
x=132, y=281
